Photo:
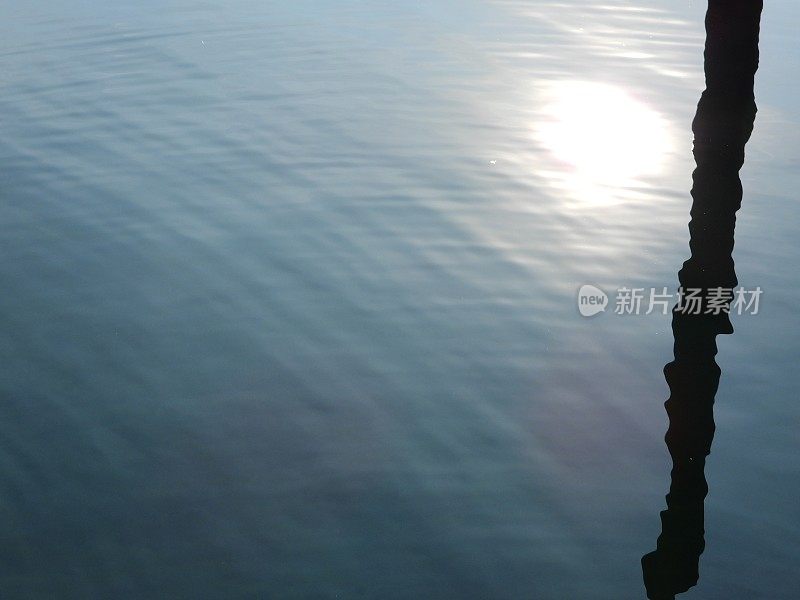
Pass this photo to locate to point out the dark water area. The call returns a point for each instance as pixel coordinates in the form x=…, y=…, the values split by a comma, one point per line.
x=289, y=303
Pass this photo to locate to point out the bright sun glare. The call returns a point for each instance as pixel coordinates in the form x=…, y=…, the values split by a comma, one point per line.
x=604, y=135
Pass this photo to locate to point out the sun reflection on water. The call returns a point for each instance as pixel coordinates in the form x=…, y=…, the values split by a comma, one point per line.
x=603, y=140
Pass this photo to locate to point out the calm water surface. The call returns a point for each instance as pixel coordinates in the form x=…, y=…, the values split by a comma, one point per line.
x=288, y=301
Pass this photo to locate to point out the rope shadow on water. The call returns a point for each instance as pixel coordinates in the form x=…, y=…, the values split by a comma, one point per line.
x=722, y=126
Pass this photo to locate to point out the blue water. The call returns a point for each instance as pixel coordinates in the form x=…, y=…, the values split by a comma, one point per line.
x=288, y=302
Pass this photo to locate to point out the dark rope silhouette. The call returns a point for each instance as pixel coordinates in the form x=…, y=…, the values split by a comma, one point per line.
x=722, y=126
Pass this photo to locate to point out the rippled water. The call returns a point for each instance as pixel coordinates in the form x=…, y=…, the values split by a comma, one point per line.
x=289, y=311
